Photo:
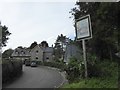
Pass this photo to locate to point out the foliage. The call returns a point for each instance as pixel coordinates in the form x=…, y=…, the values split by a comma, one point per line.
x=39, y=63
x=105, y=27
x=59, y=65
x=109, y=80
x=33, y=45
x=94, y=70
x=61, y=38
x=74, y=69
x=10, y=70
x=44, y=44
x=102, y=47
x=58, y=49
x=7, y=53
x=20, y=47
x=5, y=34
x=57, y=52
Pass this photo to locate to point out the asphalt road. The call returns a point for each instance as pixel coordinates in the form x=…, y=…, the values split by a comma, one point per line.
x=38, y=77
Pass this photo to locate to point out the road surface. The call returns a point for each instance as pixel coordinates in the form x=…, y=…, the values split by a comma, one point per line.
x=38, y=77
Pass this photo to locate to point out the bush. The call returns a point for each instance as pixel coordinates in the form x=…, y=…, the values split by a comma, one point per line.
x=39, y=63
x=109, y=80
x=73, y=70
x=93, y=68
x=10, y=70
x=59, y=65
x=76, y=70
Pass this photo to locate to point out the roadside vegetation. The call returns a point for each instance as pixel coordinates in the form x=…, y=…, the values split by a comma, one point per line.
x=105, y=77
x=102, y=60
x=10, y=68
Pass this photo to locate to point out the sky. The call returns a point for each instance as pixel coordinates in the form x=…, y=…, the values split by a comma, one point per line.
x=36, y=21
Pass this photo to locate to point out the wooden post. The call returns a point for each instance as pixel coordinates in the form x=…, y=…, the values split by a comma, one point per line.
x=84, y=57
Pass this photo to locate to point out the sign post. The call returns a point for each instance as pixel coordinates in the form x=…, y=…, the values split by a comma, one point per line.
x=83, y=32
x=84, y=57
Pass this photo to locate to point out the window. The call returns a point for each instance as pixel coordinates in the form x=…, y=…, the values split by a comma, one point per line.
x=47, y=57
x=36, y=57
x=22, y=52
x=16, y=52
x=37, y=51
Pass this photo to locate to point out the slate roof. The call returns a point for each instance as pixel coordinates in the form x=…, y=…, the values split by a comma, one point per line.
x=72, y=51
x=47, y=49
x=44, y=49
x=21, y=52
x=26, y=52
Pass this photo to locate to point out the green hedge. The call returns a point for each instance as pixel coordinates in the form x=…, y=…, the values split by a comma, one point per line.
x=10, y=69
x=39, y=63
x=59, y=65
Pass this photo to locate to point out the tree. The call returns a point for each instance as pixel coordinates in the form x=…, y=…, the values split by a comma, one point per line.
x=33, y=45
x=58, y=49
x=20, y=47
x=61, y=38
x=5, y=33
x=7, y=53
x=105, y=26
x=44, y=44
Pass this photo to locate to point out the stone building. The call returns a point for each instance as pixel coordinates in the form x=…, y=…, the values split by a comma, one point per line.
x=38, y=53
x=42, y=54
x=21, y=53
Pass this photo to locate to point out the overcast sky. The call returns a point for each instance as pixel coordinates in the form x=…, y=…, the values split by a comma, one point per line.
x=36, y=21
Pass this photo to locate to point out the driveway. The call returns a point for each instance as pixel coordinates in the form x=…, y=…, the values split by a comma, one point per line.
x=38, y=77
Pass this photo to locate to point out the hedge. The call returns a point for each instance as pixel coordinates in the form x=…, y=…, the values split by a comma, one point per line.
x=10, y=69
x=59, y=65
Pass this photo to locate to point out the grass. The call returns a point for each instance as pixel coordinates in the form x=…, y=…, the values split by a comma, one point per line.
x=108, y=80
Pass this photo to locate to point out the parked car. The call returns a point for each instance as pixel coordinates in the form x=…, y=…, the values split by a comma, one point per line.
x=27, y=62
x=33, y=64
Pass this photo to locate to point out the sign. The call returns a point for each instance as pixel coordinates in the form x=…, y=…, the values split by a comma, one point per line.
x=83, y=32
x=83, y=28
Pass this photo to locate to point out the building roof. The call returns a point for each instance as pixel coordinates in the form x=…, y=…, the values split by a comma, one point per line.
x=47, y=49
x=44, y=49
x=72, y=51
x=21, y=52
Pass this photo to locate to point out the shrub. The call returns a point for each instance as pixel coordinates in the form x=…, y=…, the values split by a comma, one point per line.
x=73, y=69
x=109, y=80
x=39, y=63
x=59, y=65
x=93, y=68
x=10, y=70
